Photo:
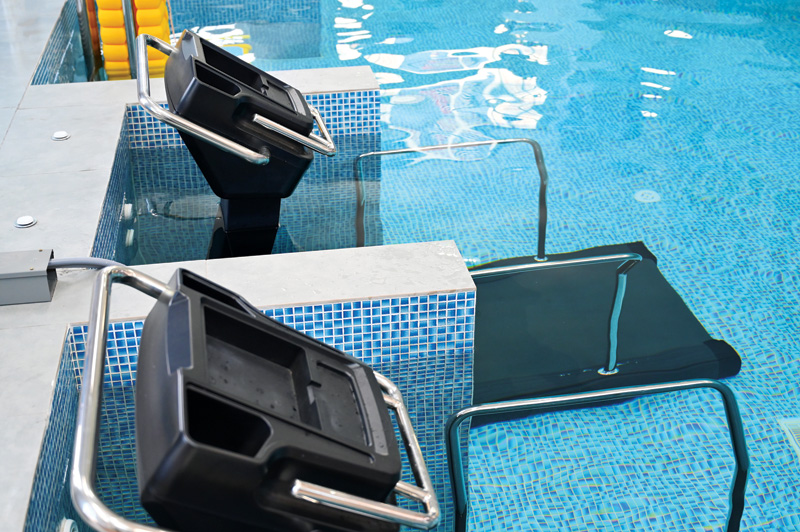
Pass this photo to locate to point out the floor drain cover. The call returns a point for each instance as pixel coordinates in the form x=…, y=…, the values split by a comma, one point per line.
x=25, y=221
x=647, y=196
x=792, y=428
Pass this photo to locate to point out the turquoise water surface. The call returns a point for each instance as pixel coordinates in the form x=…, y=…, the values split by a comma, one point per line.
x=673, y=122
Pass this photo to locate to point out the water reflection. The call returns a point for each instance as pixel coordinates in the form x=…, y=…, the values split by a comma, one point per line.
x=453, y=110
x=678, y=34
x=439, y=61
x=659, y=71
x=655, y=85
x=257, y=40
x=231, y=37
x=347, y=47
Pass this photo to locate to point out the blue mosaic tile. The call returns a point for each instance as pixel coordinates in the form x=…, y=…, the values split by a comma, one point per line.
x=115, y=223
x=631, y=477
x=50, y=500
x=62, y=58
x=348, y=113
x=173, y=209
x=725, y=231
x=146, y=131
x=185, y=13
x=344, y=113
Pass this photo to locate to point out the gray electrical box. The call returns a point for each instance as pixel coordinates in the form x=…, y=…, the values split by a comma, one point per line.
x=25, y=277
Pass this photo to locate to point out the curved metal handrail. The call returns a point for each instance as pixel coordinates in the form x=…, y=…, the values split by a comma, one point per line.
x=84, y=459
x=86, y=502
x=537, y=153
x=324, y=144
x=741, y=467
x=423, y=493
x=176, y=121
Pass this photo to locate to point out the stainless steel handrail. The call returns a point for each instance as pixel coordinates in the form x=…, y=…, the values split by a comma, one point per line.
x=87, y=428
x=741, y=468
x=627, y=260
x=90, y=37
x=423, y=493
x=176, y=121
x=84, y=459
x=537, y=153
x=130, y=35
x=324, y=144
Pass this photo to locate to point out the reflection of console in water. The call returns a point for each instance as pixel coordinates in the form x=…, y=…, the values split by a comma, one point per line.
x=250, y=134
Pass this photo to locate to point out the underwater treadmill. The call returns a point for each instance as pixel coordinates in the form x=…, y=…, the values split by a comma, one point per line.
x=573, y=322
x=250, y=134
x=588, y=320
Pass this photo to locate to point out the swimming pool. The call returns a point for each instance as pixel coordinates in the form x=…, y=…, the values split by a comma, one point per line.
x=688, y=144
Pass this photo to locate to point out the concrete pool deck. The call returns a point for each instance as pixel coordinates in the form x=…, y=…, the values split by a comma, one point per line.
x=63, y=184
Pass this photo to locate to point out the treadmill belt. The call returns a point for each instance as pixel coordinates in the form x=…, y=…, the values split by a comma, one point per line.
x=545, y=332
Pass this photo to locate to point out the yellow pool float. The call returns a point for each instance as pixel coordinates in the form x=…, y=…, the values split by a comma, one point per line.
x=150, y=16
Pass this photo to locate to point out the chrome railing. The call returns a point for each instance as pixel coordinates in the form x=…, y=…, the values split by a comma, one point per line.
x=537, y=153
x=323, y=144
x=128, y=15
x=627, y=260
x=454, y=440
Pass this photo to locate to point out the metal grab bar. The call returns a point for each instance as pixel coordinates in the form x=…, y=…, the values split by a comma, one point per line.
x=540, y=166
x=176, y=121
x=628, y=260
x=86, y=502
x=84, y=459
x=322, y=144
x=128, y=15
x=423, y=493
x=741, y=467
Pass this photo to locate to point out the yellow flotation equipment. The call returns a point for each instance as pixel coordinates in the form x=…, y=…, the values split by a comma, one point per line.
x=150, y=16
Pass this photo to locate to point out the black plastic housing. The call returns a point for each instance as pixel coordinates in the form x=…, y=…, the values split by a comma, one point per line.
x=233, y=406
x=217, y=90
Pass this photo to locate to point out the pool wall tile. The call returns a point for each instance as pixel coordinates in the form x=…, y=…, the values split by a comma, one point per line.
x=50, y=500
x=159, y=207
x=184, y=12
x=344, y=113
x=58, y=62
x=114, y=223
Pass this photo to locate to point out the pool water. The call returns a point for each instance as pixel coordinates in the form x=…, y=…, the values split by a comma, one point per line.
x=689, y=103
x=673, y=122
